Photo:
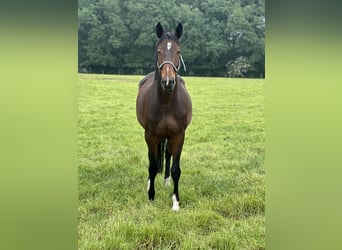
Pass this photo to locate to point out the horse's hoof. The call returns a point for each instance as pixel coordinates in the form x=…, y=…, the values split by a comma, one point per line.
x=175, y=203
x=167, y=181
x=150, y=191
x=151, y=198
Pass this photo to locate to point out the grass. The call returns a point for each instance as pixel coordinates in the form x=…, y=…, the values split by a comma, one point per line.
x=222, y=187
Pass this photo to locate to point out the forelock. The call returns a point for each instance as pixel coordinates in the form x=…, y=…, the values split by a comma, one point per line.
x=170, y=36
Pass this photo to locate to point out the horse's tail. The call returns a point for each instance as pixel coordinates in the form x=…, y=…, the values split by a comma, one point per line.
x=161, y=151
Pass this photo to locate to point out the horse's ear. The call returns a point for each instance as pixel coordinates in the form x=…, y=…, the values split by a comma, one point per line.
x=159, y=30
x=179, y=30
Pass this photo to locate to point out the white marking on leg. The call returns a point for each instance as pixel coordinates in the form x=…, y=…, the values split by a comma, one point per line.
x=169, y=45
x=167, y=181
x=148, y=185
x=175, y=203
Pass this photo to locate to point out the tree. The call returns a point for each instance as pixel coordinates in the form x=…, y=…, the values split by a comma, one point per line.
x=245, y=34
x=239, y=67
x=117, y=36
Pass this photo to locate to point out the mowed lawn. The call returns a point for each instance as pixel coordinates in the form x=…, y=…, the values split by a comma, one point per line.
x=222, y=186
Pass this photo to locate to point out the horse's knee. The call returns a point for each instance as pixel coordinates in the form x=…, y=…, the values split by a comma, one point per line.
x=153, y=170
x=175, y=173
x=153, y=167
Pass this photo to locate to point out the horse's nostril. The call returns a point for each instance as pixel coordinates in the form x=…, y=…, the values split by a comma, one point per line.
x=168, y=83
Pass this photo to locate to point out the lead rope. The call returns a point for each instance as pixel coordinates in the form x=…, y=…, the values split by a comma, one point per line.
x=181, y=58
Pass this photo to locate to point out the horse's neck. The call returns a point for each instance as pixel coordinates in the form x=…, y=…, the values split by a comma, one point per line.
x=164, y=97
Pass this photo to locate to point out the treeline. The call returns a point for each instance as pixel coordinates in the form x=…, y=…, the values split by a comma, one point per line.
x=220, y=37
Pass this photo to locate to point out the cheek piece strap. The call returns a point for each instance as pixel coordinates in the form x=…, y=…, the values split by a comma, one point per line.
x=159, y=66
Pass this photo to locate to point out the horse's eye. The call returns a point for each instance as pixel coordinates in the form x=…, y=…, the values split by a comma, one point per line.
x=178, y=53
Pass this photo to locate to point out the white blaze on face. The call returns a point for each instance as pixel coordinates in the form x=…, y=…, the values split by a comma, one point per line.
x=169, y=45
x=167, y=76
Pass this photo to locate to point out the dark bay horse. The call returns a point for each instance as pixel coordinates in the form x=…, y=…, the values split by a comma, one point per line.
x=164, y=110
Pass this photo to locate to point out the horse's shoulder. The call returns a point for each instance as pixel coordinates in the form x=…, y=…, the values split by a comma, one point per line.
x=180, y=80
x=146, y=78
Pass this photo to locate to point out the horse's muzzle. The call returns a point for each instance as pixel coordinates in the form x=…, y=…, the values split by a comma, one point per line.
x=168, y=84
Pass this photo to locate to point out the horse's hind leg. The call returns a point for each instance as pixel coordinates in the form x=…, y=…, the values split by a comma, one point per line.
x=167, y=165
x=161, y=149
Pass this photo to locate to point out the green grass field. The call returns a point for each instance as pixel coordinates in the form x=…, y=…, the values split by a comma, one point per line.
x=222, y=186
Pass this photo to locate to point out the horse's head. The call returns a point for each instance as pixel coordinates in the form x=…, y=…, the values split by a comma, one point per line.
x=168, y=56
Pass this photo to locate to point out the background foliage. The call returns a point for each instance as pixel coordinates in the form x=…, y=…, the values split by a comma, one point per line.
x=220, y=37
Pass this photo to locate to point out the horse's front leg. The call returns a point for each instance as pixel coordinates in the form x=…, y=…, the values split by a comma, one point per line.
x=175, y=173
x=153, y=164
x=176, y=145
x=152, y=170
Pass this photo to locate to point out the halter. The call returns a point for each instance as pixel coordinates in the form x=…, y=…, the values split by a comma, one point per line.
x=159, y=66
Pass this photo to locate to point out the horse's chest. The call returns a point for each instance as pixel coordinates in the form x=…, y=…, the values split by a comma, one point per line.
x=167, y=125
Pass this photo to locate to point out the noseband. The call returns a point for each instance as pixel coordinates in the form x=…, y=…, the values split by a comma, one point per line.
x=159, y=66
